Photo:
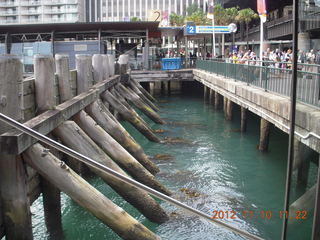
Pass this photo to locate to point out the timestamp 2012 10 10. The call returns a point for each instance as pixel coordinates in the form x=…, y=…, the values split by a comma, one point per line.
x=263, y=214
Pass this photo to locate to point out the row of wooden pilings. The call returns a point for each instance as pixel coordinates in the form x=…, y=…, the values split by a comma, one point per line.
x=221, y=101
x=302, y=157
x=94, y=132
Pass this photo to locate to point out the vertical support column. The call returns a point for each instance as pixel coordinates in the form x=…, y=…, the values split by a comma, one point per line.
x=52, y=43
x=229, y=110
x=243, y=119
x=152, y=88
x=63, y=73
x=211, y=96
x=99, y=39
x=84, y=72
x=44, y=72
x=264, y=135
x=98, y=68
x=205, y=92
x=225, y=101
x=217, y=100
x=106, y=67
x=7, y=43
x=301, y=161
x=111, y=64
x=13, y=179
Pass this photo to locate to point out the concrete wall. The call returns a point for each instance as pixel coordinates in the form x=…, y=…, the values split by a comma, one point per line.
x=272, y=107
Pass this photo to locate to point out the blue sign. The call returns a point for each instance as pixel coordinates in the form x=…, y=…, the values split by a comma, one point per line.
x=190, y=29
x=209, y=29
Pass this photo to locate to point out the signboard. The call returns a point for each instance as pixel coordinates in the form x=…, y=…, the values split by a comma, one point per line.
x=209, y=29
x=190, y=29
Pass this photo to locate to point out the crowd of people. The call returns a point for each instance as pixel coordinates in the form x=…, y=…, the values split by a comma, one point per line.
x=275, y=58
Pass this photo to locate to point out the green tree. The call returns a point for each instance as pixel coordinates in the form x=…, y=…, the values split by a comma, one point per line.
x=196, y=15
x=247, y=15
x=135, y=19
x=223, y=17
x=176, y=20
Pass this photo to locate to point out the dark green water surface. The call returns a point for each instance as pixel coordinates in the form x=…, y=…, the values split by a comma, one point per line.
x=221, y=164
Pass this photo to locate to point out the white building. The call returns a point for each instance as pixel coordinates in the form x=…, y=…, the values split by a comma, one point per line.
x=124, y=10
x=41, y=11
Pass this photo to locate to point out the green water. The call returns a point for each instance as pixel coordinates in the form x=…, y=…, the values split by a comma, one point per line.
x=220, y=163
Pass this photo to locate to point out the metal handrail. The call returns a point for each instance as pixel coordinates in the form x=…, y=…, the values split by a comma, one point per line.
x=92, y=163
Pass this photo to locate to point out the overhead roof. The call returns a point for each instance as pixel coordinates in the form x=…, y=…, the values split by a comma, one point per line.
x=78, y=27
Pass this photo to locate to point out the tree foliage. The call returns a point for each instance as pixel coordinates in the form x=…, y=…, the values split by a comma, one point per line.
x=135, y=19
x=176, y=20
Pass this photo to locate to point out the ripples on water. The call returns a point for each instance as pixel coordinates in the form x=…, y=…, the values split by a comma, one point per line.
x=222, y=165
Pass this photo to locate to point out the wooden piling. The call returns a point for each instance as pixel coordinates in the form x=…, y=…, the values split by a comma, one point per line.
x=101, y=115
x=211, y=96
x=111, y=64
x=142, y=96
x=44, y=70
x=98, y=67
x=135, y=99
x=44, y=74
x=84, y=72
x=145, y=92
x=13, y=179
x=63, y=74
x=205, y=92
x=52, y=208
x=243, y=119
x=85, y=195
x=217, y=100
x=74, y=137
x=117, y=152
x=129, y=116
x=225, y=102
x=264, y=135
x=301, y=162
x=229, y=110
x=106, y=66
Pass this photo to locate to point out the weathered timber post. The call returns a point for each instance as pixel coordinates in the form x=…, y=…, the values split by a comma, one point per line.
x=211, y=96
x=13, y=179
x=142, y=96
x=102, y=116
x=264, y=135
x=302, y=155
x=129, y=116
x=114, y=150
x=145, y=92
x=111, y=64
x=165, y=87
x=205, y=92
x=229, y=110
x=98, y=68
x=44, y=73
x=66, y=93
x=106, y=67
x=74, y=137
x=84, y=72
x=225, y=102
x=63, y=74
x=217, y=100
x=175, y=87
x=135, y=99
x=243, y=119
x=152, y=88
x=85, y=195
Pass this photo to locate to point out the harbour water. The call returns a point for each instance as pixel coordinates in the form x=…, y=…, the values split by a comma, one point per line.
x=216, y=168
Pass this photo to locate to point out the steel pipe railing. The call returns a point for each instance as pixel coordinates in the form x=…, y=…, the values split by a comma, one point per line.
x=121, y=177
